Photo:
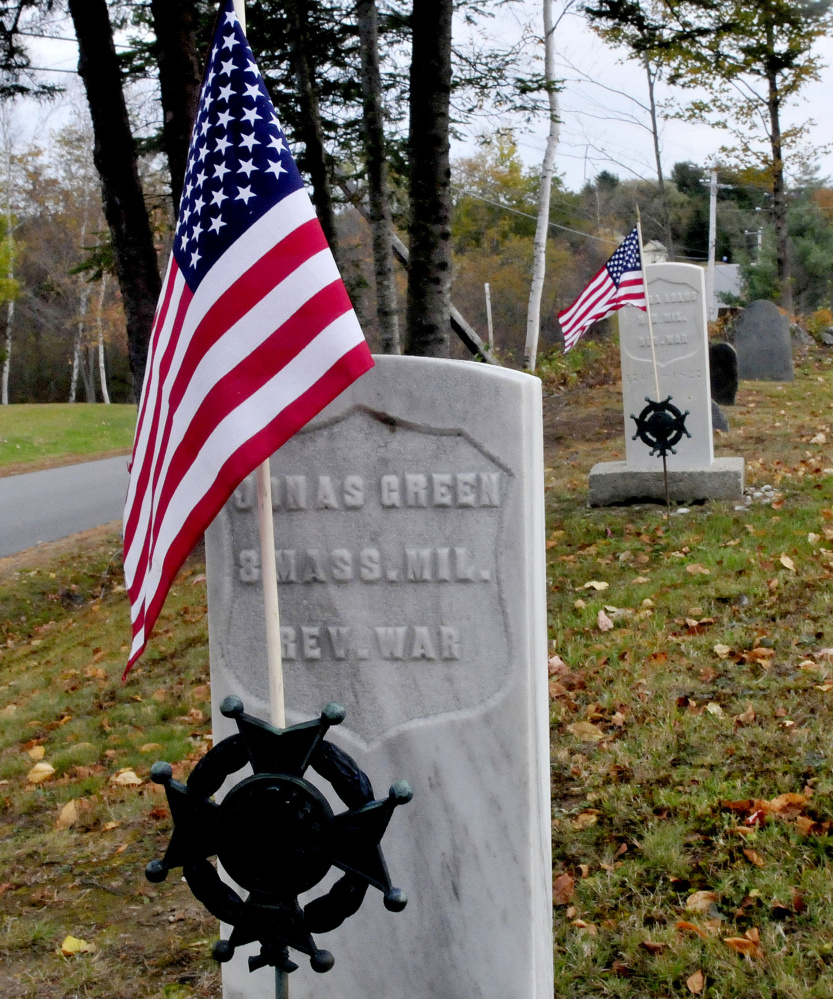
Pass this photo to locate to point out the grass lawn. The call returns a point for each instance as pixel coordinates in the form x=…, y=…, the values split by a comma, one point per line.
x=40, y=436
x=691, y=699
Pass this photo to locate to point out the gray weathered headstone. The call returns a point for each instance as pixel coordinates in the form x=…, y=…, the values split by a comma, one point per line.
x=678, y=313
x=723, y=368
x=679, y=361
x=719, y=421
x=409, y=531
x=762, y=341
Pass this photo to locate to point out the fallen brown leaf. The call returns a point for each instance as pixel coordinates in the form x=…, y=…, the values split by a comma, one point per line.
x=68, y=815
x=40, y=772
x=653, y=947
x=700, y=901
x=696, y=983
x=694, y=568
x=603, y=621
x=754, y=858
x=788, y=805
x=588, y=928
x=586, y=731
x=684, y=927
x=563, y=888
x=787, y=562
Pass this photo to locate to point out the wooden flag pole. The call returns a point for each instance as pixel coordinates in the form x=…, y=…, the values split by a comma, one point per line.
x=269, y=578
x=653, y=355
x=268, y=570
x=647, y=302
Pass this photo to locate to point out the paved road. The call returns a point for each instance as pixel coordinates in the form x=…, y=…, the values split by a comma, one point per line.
x=44, y=506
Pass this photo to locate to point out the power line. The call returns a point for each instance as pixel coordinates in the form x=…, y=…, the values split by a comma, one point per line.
x=526, y=215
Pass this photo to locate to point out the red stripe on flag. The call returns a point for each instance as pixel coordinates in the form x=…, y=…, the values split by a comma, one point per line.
x=251, y=454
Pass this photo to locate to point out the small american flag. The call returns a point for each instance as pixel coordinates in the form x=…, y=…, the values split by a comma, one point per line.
x=254, y=332
x=618, y=283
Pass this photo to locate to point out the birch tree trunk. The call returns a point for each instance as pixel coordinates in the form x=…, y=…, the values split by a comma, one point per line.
x=539, y=266
x=429, y=228
x=7, y=359
x=8, y=354
x=381, y=226
x=102, y=372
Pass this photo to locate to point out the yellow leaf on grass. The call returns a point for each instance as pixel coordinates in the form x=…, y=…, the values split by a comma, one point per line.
x=696, y=983
x=824, y=687
x=36, y=753
x=586, y=731
x=40, y=772
x=787, y=562
x=695, y=568
x=700, y=901
x=149, y=747
x=721, y=650
x=754, y=858
x=715, y=709
x=126, y=778
x=595, y=584
x=747, y=717
x=68, y=815
x=585, y=819
x=72, y=946
x=110, y=825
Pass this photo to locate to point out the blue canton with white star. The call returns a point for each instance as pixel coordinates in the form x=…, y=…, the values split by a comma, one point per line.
x=626, y=258
x=239, y=163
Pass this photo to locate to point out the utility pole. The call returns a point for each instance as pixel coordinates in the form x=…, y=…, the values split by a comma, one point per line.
x=711, y=297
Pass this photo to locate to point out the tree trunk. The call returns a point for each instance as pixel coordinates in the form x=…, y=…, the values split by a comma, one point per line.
x=663, y=193
x=315, y=155
x=175, y=26
x=114, y=153
x=429, y=229
x=7, y=359
x=539, y=265
x=102, y=372
x=779, y=196
x=381, y=226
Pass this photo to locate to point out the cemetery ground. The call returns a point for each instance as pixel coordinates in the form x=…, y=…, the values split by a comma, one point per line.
x=691, y=687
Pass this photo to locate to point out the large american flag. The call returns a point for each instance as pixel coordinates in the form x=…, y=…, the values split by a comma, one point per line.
x=254, y=333
x=618, y=283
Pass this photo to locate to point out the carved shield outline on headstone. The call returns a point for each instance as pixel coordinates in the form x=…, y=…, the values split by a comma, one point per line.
x=452, y=592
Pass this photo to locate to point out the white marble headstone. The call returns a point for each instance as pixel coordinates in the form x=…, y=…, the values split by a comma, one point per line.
x=678, y=313
x=409, y=529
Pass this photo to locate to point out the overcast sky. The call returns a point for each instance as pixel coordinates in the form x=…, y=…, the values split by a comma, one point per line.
x=600, y=129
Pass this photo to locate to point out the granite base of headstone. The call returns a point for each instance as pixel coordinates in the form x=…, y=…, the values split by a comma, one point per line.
x=409, y=527
x=679, y=360
x=723, y=373
x=763, y=344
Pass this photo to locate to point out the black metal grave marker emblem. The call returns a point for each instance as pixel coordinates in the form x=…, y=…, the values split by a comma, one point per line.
x=277, y=837
x=660, y=425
